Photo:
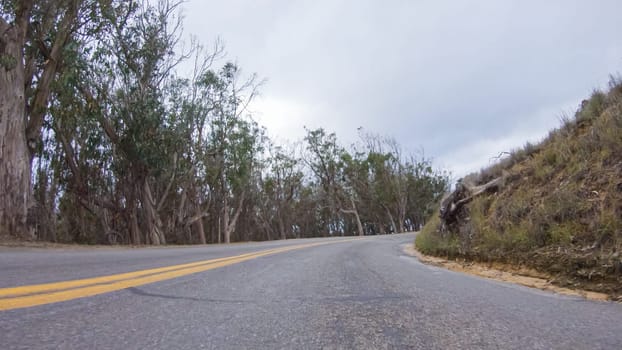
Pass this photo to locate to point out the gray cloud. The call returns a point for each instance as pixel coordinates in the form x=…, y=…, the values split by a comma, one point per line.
x=462, y=79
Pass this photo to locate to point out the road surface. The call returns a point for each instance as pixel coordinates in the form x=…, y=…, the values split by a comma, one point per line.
x=297, y=294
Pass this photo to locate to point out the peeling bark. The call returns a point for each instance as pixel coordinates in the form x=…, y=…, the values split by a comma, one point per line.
x=198, y=226
x=229, y=225
x=15, y=187
x=22, y=109
x=153, y=234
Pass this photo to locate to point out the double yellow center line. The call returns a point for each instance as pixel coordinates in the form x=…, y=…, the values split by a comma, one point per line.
x=39, y=294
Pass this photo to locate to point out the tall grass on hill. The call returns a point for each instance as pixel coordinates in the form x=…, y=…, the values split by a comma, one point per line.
x=560, y=210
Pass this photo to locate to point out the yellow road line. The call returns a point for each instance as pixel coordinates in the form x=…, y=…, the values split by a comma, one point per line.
x=55, y=286
x=56, y=292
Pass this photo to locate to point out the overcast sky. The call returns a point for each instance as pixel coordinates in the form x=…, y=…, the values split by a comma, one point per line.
x=463, y=80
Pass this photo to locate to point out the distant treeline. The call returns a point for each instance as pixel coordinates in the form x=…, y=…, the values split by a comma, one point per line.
x=118, y=147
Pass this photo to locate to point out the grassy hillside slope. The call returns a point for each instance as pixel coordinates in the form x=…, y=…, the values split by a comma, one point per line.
x=560, y=208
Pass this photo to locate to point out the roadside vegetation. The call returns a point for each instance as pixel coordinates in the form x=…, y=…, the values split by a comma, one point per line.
x=558, y=209
x=132, y=136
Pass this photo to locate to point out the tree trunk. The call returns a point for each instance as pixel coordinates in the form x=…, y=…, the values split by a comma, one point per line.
x=219, y=230
x=355, y=212
x=391, y=219
x=381, y=228
x=225, y=220
x=401, y=218
x=359, y=226
x=282, y=226
x=153, y=234
x=197, y=222
x=15, y=189
x=198, y=226
x=230, y=225
x=452, y=204
x=265, y=224
x=50, y=209
x=40, y=194
x=403, y=211
x=133, y=221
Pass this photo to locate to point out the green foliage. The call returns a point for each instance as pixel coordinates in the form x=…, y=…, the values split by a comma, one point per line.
x=563, y=233
x=591, y=108
x=132, y=150
x=431, y=241
x=387, y=192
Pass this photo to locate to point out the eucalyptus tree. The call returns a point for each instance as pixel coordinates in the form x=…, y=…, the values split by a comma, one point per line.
x=192, y=103
x=34, y=36
x=354, y=186
x=323, y=159
x=425, y=187
x=235, y=141
x=380, y=188
x=388, y=178
x=398, y=183
x=131, y=63
x=280, y=190
x=81, y=160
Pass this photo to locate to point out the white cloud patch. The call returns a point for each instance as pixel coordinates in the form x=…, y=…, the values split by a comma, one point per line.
x=283, y=116
x=484, y=152
x=464, y=80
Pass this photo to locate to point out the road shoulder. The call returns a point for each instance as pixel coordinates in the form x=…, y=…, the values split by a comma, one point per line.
x=503, y=272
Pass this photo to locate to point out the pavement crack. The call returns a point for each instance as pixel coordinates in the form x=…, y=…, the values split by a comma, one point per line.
x=144, y=293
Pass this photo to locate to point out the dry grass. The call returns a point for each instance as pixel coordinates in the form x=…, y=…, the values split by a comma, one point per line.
x=561, y=209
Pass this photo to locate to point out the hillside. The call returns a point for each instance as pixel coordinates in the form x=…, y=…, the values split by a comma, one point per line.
x=555, y=207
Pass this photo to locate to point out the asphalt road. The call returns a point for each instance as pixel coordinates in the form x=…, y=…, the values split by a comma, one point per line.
x=361, y=294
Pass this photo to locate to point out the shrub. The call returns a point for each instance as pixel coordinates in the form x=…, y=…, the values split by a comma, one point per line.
x=431, y=241
x=591, y=108
x=564, y=233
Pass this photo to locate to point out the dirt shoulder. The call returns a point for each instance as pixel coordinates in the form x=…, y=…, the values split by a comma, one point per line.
x=503, y=272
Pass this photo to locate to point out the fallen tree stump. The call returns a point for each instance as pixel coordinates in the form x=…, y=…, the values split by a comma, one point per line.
x=452, y=204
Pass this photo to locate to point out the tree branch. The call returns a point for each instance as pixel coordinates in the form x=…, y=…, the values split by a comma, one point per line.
x=38, y=106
